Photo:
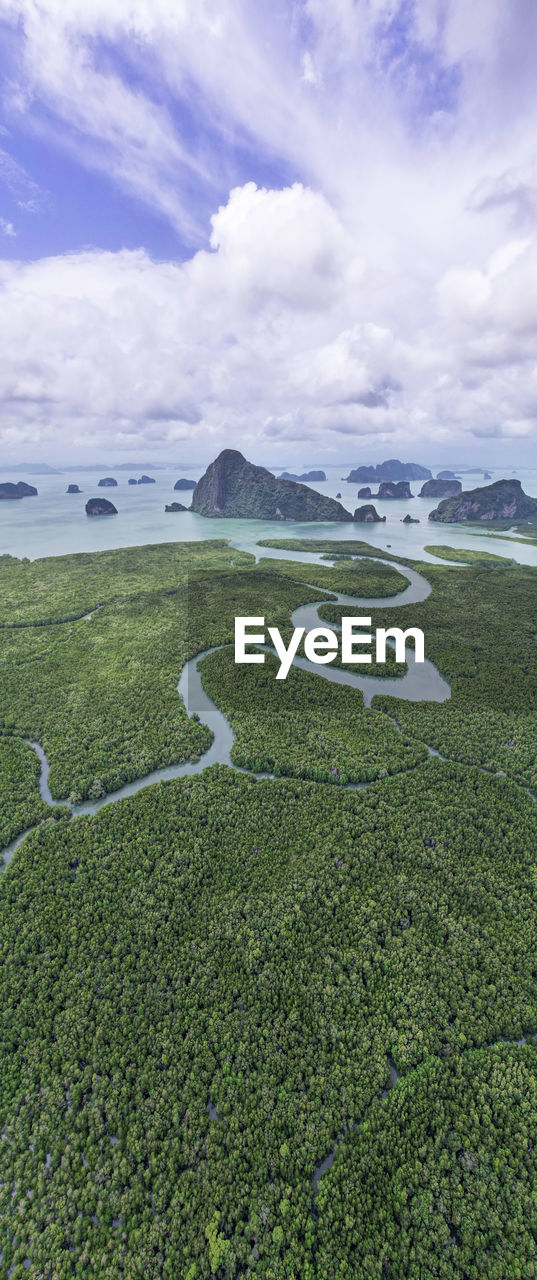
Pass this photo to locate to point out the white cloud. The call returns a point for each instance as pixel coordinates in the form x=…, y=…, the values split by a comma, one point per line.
x=7, y=228
x=384, y=292
x=263, y=339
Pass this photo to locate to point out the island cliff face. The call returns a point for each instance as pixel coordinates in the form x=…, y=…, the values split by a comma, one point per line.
x=440, y=488
x=368, y=515
x=235, y=488
x=503, y=500
x=394, y=489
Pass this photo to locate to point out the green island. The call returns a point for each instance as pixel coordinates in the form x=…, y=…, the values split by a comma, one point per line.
x=210, y=987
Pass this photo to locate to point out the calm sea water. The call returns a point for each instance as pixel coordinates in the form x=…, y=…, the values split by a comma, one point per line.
x=55, y=523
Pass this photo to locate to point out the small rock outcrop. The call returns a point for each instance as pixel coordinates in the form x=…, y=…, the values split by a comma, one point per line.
x=368, y=515
x=100, y=507
x=393, y=469
x=503, y=500
x=184, y=484
x=394, y=489
x=440, y=488
x=365, y=492
x=73, y=488
x=409, y=519
x=19, y=490
x=235, y=488
x=338, y=495
x=312, y=476
x=146, y=480
x=446, y=475
x=131, y=481
x=108, y=483
x=175, y=506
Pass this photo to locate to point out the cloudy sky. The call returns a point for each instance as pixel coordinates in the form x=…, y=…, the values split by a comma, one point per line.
x=305, y=228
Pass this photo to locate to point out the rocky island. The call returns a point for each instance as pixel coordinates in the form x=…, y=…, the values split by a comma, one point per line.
x=313, y=476
x=394, y=489
x=18, y=490
x=108, y=483
x=393, y=469
x=100, y=507
x=440, y=488
x=146, y=480
x=502, y=500
x=368, y=515
x=175, y=506
x=235, y=488
x=73, y=488
x=365, y=492
x=184, y=484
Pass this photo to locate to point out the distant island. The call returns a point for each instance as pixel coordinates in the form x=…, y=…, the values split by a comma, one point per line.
x=175, y=506
x=19, y=490
x=237, y=489
x=502, y=500
x=146, y=480
x=441, y=488
x=184, y=484
x=107, y=483
x=313, y=476
x=393, y=469
x=31, y=468
x=73, y=488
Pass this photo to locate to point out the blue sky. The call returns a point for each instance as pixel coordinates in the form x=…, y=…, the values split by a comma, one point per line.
x=304, y=228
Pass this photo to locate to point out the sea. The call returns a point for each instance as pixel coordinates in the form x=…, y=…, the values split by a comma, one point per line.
x=55, y=523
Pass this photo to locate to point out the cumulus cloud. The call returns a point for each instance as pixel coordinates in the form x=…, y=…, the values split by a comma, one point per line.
x=381, y=287
x=232, y=344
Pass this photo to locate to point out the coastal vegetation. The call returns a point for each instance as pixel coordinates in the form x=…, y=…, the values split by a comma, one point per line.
x=200, y=988
x=21, y=805
x=100, y=695
x=422, y=1186
x=206, y=988
x=480, y=626
x=308, y=728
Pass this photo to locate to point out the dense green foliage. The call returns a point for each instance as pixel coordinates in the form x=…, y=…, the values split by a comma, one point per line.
x=331, y=546
x=100, y=695
x=201, y=985
x=21, y=805
x=309, y=728
x=351, y=577
x=480, y=628
x=62, y=588
x=440, y=1180
x=259, y=946
x=461, y=555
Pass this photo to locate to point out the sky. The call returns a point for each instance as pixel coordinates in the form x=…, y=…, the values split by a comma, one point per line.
x=301, y=228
